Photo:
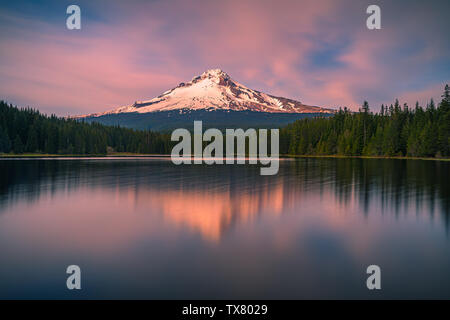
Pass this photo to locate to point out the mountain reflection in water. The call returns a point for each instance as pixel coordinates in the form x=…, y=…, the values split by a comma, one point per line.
x=341, y=212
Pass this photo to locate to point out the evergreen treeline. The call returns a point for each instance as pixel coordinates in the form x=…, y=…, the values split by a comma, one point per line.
x=26, y=130
x=395, y=131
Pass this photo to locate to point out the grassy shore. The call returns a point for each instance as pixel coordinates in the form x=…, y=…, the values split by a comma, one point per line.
x=335, y=156
x=129, y=154
x=48, y=155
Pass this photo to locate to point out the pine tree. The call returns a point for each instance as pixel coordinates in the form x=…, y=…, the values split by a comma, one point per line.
x=32, y=142
x=18, y=145
x=446, y=95
x=5, y=143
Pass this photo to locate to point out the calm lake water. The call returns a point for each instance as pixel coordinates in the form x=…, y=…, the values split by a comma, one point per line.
x=145, y=228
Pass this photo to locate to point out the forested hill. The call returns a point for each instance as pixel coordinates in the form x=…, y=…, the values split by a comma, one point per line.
x=27, y=130
x=395, y=131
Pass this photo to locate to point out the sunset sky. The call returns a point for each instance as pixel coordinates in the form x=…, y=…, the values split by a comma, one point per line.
x=318, y=52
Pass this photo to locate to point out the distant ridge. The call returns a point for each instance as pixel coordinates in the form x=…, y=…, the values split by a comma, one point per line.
x=214, y=90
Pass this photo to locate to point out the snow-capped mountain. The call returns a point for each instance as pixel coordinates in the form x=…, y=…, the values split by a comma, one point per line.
x=213, y=90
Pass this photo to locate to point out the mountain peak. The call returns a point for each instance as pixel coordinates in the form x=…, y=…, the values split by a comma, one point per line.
x=214, y=73
x=217, y=76
x=215, y=90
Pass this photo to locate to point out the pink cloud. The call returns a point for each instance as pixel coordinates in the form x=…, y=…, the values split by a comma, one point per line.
x=140, y=50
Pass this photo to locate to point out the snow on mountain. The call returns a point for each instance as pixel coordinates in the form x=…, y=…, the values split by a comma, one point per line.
x=214, y=90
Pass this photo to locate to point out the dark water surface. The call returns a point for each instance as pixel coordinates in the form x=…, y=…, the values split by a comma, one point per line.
x=145, y=228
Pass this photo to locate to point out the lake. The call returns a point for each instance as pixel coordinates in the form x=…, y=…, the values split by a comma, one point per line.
x=145, y=228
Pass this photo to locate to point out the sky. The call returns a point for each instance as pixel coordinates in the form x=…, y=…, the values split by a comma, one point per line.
x=319, y=52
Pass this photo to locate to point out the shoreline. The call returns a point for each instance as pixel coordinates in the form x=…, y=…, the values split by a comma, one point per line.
x=137, y=155
x=364, y=157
